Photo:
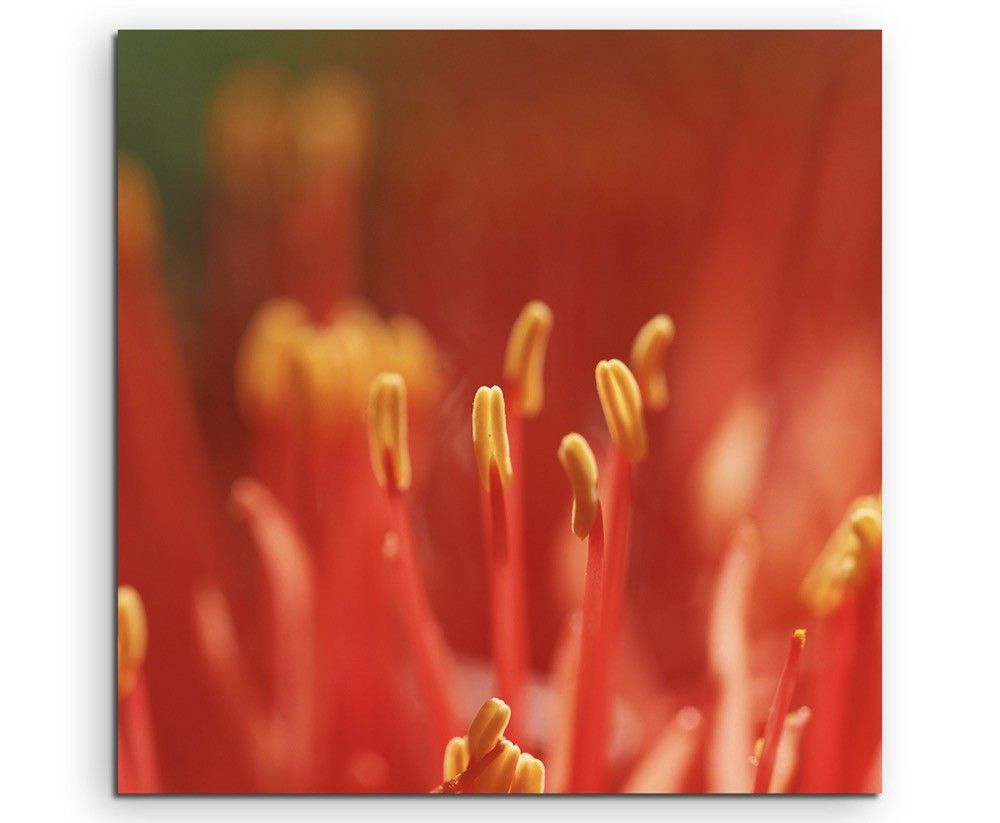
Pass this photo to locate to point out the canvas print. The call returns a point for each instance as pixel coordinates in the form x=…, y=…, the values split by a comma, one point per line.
x=498, y=412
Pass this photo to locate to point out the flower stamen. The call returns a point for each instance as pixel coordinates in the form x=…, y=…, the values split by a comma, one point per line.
x=489, y=436
x=648, y=353
x=779, y=710
x=621, y=401
x=524, y=360
x=387, y=430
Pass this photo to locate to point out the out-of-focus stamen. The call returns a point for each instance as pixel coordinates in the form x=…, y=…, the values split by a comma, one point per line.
x=264, y=370
x=843, y=563
x=621, y=401
x=787, y=758
x=387, y=430
x=132, y=639
x=489, y=436
x=726, y=766
x=648, y=352
x=779, y=709
x=529, y=776
x=581, y=469
x=524, y=361
x=666, y=765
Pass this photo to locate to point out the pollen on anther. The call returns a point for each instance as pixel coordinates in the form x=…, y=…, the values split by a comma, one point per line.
x=581, y=468
x=489, y=435
x=621, y=401
x=648, y=352
x=524, y=360
x=387, y=430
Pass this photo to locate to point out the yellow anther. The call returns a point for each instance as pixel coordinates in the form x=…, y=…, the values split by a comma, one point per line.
x=844, y=560
x=648, y=353
x=133, y=636
x=489, y=435
x=622, y=404
x=866, y=524
x=498, y=776
x=387, y=429
x=456, y=757
x=581, y=469
x=264, y=368
x=758, y=750
x=529, y=776
x=329, y=118
x=800, y=635
x=415, y=356
x=487, y=727
x=524, y=361
x=325, y=377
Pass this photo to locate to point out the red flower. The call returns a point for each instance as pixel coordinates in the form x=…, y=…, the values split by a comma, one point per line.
x=335, y=634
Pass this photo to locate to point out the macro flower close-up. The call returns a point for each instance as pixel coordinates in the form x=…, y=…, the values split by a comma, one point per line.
x=499, y=412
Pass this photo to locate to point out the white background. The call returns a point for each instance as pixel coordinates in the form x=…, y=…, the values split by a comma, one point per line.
x=942, y=415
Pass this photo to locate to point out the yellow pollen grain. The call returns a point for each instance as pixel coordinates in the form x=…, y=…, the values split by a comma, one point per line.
x=581, y=468
x=648, y=353
x=387, y=429
x=456, y=757
x=524, y=360
x=487, y=726
x=489, y=435
x=133, y=637
x=264, y=369
x=621, y=401
x=529, y=776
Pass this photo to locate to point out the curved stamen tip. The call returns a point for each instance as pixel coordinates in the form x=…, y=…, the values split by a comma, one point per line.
x=524, y=361
x=648, y=353
x=621, y=401
x=489, y=435
x=581, y=469
x=800, y=635
x=487, y=726
x=866, y=523
x=387, y=430
x=133, y=637
x=529, y=776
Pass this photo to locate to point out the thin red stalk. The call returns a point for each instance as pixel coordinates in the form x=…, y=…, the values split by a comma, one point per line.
x=831, y=696
x=614, y=571
x=776, y=716
x=518, y=608
x=435, y=666
x=508, y=646
x=126, y=772
x=138, y=732
x=587, y=737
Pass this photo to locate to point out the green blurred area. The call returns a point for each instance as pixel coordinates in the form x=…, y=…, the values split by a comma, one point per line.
x=165, y=80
